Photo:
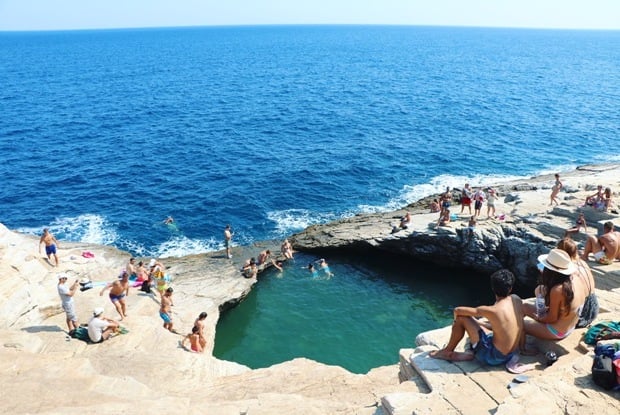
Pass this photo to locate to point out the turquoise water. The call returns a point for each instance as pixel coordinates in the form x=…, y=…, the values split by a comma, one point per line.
x=358, y=319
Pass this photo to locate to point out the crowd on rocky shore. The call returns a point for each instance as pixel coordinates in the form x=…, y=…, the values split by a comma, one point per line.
x=35, y=344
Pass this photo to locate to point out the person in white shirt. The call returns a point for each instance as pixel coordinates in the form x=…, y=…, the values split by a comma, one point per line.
x=100, y=328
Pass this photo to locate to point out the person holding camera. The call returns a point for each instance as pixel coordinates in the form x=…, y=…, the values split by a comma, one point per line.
x=66, y=297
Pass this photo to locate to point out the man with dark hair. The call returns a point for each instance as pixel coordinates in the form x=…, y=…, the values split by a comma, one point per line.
x=200, y=324
x=496, y=342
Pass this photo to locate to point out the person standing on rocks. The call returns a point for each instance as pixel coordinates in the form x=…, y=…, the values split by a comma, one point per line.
x=446, y=200
x=66, y=297
x=466, y=198
x=479, y=197
x=50, y=245
x=499, y=343
x=228, y=234
x=165, y=311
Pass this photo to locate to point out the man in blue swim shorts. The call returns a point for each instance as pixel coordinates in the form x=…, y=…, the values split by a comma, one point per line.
x=495, y=341
x=50, y=245
x=165, y=311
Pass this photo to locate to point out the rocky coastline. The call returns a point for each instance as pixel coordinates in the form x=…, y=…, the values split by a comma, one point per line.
x=145, y=371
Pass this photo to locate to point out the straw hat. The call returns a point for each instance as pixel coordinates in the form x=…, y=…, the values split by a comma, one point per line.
x=558, y=261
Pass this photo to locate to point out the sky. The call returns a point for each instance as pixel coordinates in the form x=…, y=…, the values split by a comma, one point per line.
x=107, y=14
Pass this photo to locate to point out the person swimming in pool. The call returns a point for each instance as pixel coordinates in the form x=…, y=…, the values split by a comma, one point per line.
x=324, y=266
x=313, y=271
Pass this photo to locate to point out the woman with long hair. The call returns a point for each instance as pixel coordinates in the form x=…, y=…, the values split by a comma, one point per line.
x=590, y=306
x=564, y=298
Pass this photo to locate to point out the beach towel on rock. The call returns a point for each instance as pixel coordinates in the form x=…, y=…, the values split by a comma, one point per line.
x=81, y=333
x=602, y=331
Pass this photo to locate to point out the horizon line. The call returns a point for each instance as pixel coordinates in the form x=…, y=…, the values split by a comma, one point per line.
x=598, y=29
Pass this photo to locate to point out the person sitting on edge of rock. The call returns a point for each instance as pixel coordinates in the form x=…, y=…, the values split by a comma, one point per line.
x=263, y=256
x=580, y=223
x=590, y=306
x=493, y=344
x=250, y=270
x=596, y=197
x=405, y=220
x=444, y=218
x=287, y=249
x=435, y=206
x=471, y=227
x=605, y=248
x=564, y=298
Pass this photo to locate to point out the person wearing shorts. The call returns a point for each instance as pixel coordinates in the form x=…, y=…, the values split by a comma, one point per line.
x=66, y=297
x=165, y=310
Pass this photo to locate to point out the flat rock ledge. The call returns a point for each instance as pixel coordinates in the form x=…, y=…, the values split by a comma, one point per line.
x=525, y=227
x=44, y=371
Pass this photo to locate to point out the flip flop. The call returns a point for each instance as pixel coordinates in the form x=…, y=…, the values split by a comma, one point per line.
x=517, y=381
x=513, y=366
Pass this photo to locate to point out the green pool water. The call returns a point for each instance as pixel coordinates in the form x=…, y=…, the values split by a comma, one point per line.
x=358, y=319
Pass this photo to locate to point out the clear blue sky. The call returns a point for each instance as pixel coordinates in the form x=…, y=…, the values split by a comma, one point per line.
x=91, y=14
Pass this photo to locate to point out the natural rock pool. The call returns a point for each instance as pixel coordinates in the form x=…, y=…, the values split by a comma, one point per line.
x=358, y=319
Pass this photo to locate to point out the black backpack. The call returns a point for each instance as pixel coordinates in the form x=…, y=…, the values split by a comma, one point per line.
x=146, y=287
x=603, y=372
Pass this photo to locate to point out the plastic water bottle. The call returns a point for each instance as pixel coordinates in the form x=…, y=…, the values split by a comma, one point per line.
x=540, y=306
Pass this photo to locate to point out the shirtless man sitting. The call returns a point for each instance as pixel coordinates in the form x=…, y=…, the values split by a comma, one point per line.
x=118, y=291
x=50, y=245
x=496, y=342
x=605, y=248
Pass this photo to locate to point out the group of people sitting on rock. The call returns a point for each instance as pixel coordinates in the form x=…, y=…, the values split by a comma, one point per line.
x=252, y=266
x=567, y=301
x=601, y=200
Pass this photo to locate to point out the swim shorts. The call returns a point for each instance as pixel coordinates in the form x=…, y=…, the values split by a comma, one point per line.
x=601, y=258
x=166, y=317
x=114, y=298
x=477, y=204
x=50, y=249
x=486, y=352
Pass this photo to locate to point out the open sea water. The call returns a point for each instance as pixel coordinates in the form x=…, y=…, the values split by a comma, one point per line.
x=273, y=128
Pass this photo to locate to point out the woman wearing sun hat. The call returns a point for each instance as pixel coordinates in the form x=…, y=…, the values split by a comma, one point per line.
x=564, y=298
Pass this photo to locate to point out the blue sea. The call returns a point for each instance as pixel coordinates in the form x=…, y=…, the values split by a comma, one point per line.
x=103, y=134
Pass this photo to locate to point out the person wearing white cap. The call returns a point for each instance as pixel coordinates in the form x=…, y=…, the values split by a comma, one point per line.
x=564, y=298
x=100, y=328
x=66, y=296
